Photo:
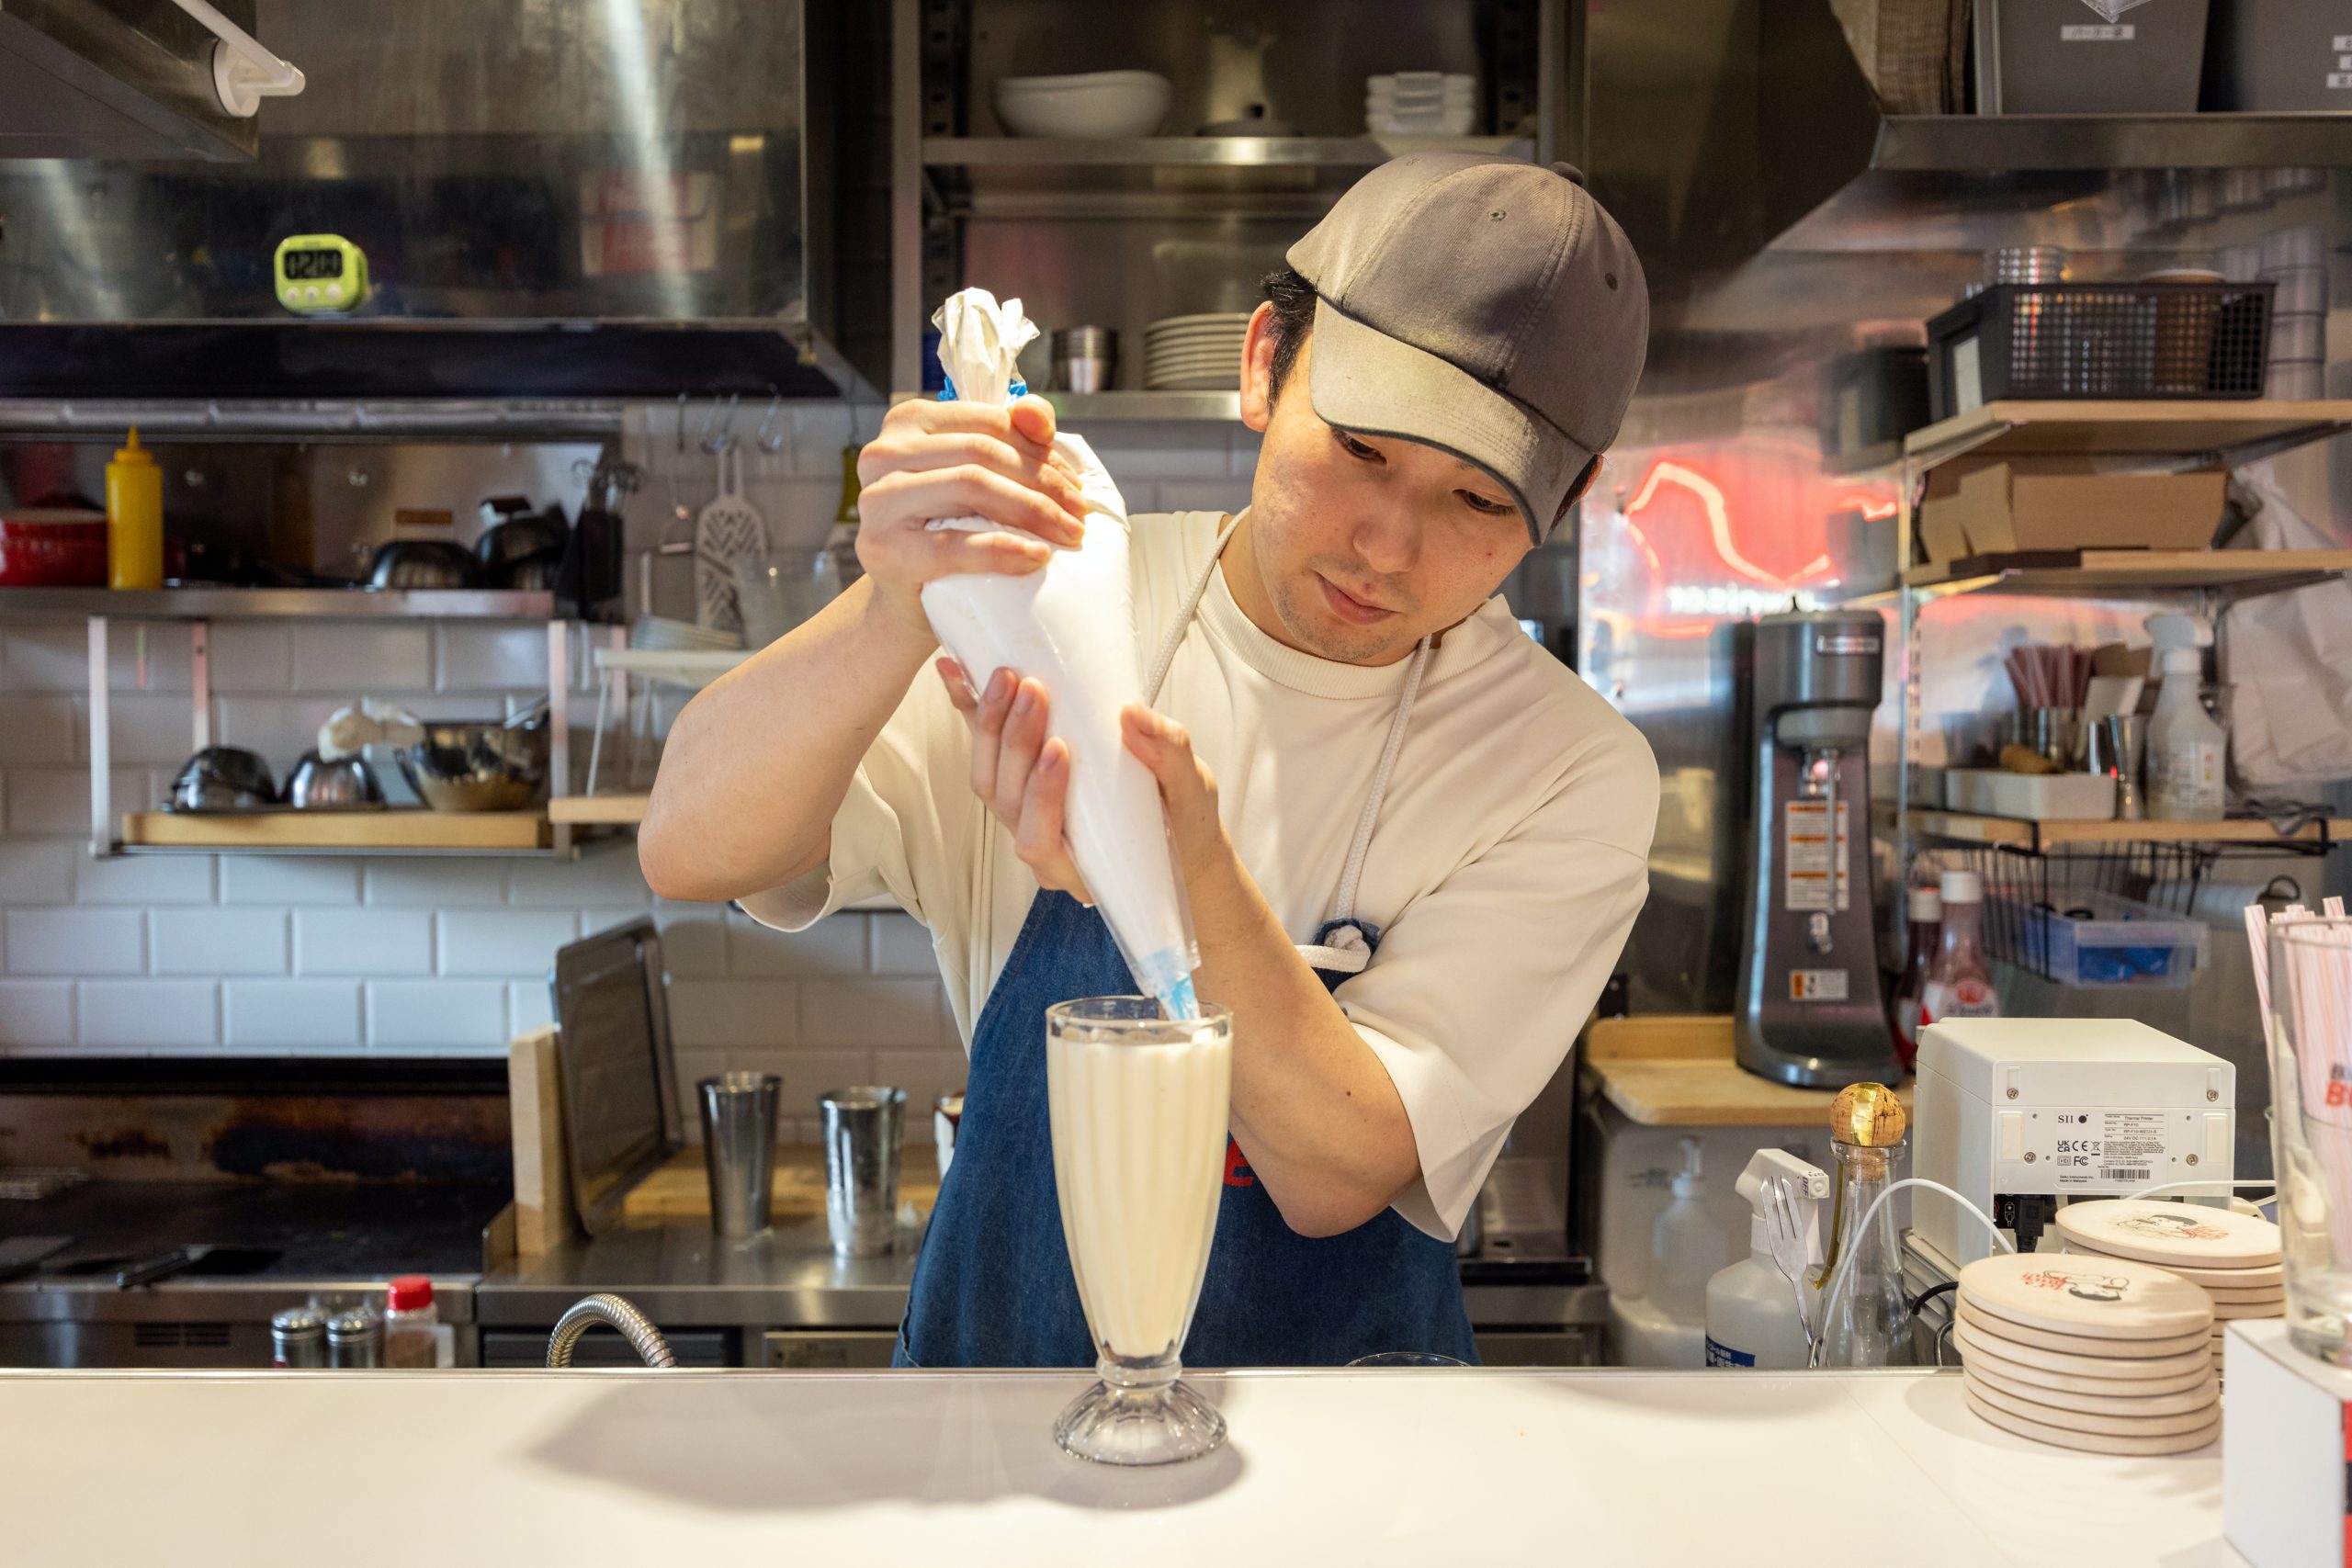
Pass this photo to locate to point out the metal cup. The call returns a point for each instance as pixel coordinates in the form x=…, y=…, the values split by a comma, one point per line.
x=2057, y=734
x=1083, y=359
x=863, y=1129
x=739, y=1149
x=2115, y=751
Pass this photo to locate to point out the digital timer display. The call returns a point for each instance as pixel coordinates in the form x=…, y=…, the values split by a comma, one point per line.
x=321, y=275
x=305, y=264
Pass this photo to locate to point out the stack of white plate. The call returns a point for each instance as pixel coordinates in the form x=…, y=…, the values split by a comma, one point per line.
x=2100, y=1354
x=2233, y=1257
x=659, y=632
x=1420, y=103
x=1194, y=353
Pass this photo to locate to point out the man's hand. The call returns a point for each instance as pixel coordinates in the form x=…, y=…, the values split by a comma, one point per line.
x=1023, y=776
x=957, y=459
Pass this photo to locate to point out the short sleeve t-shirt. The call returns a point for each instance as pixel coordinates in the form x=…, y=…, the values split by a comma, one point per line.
x=1507, y=867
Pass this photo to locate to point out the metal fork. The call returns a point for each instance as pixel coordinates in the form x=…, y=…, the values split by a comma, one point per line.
x=1791, y=1243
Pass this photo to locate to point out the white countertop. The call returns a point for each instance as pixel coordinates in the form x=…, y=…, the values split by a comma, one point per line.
x=1487, y=1466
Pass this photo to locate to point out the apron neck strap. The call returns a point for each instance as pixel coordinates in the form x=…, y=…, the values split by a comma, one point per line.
x=1173, y=638
x=1345, y=909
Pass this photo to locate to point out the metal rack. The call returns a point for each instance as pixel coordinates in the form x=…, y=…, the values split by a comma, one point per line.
x=2036, y=863
x=198, y=608
x=1181, y=190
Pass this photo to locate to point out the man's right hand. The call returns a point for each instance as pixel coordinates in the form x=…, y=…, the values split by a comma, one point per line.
x=957, y=459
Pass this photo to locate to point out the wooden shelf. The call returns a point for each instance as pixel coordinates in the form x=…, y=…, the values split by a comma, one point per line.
x=1961, y=827
x=1679, y=1071
x=357, y=832
x=2220, y=429
x=2099, y=571
x=598, y=811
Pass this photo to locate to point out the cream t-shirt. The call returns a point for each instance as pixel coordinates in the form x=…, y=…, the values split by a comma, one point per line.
x=1506, y=869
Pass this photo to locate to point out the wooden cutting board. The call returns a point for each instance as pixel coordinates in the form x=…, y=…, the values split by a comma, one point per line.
x=680, y=1190
x=1678, y=1072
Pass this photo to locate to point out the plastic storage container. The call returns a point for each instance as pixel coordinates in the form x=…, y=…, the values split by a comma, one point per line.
x=2036, y=797
x=2280, y=54
x=2062, y=57
x=52, y=548
x=2104, y=939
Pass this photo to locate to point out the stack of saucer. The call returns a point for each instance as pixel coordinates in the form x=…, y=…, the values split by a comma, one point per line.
x=1194, y=353
x=2100, y=1354
x=2233, y=1256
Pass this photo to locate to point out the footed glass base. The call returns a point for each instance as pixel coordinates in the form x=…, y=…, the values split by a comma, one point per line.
x=1139, y=1416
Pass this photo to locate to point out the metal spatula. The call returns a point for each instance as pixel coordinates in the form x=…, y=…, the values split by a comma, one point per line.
x=730, y=526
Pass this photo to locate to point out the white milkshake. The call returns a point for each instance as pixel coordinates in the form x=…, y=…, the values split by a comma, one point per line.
x=1139, y=1135
x=1139, y=1106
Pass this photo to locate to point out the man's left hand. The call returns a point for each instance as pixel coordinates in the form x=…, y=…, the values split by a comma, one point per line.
x=1024, y=777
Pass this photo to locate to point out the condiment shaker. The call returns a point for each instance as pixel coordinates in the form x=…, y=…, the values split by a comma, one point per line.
x=297, y=1337
x=351, y=1339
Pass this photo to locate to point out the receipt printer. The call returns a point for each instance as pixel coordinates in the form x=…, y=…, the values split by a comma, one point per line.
x=2022, y=1114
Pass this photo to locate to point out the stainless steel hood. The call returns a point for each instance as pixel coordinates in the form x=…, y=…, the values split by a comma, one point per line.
x=599, y=199
x=1720, y=128
x=115, y=79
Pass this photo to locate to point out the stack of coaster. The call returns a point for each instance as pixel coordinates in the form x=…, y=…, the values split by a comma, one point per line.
x=2233, y=1257
x=2102, y=1354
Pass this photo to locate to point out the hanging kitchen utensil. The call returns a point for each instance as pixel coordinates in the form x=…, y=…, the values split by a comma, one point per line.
x=730, y=526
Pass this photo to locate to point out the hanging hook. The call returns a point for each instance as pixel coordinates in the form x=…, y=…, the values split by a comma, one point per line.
x=771, y=440
x=715, y=441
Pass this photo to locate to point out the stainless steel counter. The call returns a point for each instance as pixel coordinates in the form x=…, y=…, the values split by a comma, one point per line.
x=782, y=1299
x=681, y=1275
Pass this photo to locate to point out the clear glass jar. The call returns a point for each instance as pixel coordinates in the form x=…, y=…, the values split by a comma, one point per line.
x=1870, y=1323
x=412, y=1323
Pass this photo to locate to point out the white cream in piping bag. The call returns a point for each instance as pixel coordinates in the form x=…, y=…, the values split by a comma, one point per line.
x=1071, y=625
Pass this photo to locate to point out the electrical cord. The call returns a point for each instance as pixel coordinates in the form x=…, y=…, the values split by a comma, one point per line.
x=1845, y=1264
x=2269, y=1185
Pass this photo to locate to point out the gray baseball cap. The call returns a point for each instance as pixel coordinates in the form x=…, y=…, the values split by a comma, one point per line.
x=1488, y=308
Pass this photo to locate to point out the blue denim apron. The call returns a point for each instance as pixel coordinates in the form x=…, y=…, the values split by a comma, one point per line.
x=993, y=1286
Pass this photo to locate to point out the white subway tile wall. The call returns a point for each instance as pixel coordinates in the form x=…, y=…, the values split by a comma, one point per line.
x=401, y=956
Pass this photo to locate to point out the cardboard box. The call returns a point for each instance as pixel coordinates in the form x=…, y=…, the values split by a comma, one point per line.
x=2058, y=504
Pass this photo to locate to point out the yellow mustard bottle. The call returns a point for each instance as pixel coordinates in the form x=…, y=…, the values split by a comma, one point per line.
x=134, y=518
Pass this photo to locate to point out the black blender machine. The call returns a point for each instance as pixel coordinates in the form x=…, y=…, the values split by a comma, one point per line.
x=1808, y=1011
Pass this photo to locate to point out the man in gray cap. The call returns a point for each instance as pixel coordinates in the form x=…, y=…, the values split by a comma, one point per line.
x=1413, y=842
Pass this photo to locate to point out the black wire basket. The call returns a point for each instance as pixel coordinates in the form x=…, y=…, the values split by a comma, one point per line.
x=2099, y=340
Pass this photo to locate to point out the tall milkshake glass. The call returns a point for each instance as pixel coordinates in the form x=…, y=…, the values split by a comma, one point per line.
x=1138, y=1103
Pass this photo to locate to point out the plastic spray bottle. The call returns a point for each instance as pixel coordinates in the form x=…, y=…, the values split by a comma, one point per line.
x=1753, y=1319
x=1686, y=1244
x=2185, y=744
x=1070, y=624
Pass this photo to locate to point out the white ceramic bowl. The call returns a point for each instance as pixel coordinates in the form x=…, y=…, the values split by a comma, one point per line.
x=1097, y=106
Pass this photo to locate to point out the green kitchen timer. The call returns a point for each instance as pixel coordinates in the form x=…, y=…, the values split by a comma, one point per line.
x=321, y=272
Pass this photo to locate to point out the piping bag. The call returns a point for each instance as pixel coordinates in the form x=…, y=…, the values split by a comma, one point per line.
x=1071, y=625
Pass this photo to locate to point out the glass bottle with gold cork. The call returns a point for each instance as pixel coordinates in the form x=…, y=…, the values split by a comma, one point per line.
x=1869, y=1325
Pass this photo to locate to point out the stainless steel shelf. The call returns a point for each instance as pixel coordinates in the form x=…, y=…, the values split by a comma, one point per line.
x=249, y=420
x=1204, y=151
x=2050, y=142
x=270, y=603
x=1284, y=178
x=1114, y=408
